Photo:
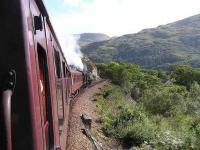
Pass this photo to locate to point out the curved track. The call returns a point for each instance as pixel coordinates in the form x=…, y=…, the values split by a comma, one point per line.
x=82, y=104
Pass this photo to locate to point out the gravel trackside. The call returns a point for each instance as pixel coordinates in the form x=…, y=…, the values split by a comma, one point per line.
x=84, y=104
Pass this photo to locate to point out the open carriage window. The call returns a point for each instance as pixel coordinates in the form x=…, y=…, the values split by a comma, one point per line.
x=59, y=90
x=45, y=99
x=57, y=63
x=64, y=69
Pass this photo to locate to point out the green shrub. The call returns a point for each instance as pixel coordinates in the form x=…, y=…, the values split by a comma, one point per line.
x=185, y=75
x=165, y=100
x=165, y=117
x=136, y=132
x=168, y=141
x=123, y=121
x=193, y=100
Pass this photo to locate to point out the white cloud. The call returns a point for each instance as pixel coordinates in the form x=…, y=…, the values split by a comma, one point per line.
x=117, y=17
x=73, y=3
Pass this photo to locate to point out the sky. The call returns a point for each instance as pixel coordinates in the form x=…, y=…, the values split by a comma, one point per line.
x=116, y=17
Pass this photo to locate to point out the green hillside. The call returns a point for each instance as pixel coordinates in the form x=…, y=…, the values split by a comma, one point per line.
x=177, y=42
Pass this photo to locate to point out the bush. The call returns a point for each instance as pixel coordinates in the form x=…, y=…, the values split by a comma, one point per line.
x=193, y=100
x=166, y=115
x=165, y=100
x=136, y=132
x=185, y=75
x=123, y=121
x=128, y=76
x=168, y=141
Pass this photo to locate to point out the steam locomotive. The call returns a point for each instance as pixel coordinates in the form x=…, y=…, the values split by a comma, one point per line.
x=35, y=80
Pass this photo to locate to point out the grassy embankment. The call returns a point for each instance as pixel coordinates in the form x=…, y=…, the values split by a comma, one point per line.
x=166, y=114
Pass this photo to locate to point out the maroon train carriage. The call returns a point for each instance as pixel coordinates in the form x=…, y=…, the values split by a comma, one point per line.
x=35, y=80
x=77, y=81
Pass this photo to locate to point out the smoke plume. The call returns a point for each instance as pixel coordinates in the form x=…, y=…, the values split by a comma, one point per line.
x=71, y=50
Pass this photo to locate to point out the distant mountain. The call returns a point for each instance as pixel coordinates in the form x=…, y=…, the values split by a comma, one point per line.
x=177, y=42
x=86, y=38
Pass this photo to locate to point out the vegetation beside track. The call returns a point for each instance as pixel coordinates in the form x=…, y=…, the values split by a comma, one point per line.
x=166, y=108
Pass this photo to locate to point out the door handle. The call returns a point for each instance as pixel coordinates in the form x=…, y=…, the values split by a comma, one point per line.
x=7, y=92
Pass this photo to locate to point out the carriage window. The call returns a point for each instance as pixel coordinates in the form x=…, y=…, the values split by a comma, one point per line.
x=64, y=70
x=45, y=99
x=57, y=63
x=67, y=72
x=59, y=89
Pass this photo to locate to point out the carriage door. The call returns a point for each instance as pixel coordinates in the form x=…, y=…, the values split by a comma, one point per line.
x=45, y=100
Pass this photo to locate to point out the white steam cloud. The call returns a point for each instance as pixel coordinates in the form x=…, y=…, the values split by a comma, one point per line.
x=69, y=44
x=71, y=50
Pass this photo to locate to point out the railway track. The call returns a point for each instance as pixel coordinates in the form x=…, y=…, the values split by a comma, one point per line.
x=74, y=99
x=82, y=105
